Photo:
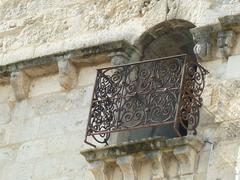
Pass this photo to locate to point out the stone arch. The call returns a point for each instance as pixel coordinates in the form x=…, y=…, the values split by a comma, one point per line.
x=166, y=39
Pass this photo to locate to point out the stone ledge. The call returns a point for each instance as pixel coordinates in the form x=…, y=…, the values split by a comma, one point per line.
x=77, y=56
x=146, y=145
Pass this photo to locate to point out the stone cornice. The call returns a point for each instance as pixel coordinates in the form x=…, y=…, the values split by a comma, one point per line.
x=220, y=35
x=77, y=56
x=146, y=145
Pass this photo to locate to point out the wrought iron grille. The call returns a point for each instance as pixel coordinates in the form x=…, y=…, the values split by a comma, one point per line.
x=146, y=94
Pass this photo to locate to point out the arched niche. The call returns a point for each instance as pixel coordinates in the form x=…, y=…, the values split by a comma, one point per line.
x=166, y=39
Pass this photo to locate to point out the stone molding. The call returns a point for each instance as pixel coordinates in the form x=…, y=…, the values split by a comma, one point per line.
x=161, y=153
x=83, y=55
x=221, y=36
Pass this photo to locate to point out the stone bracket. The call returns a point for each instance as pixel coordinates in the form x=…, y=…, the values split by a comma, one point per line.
x=186, y=157
x=203, y=47
x=100, y=170
x=128, y=167
x=157, y=164
x=67, y=73
x=225, y=42
x=119, y=58
x=20, y=83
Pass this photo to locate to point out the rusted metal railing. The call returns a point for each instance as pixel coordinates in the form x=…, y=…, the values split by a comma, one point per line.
x=146, y=94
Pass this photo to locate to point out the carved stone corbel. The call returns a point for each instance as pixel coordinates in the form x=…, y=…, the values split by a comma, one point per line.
x=119, y=58
x=203, y=47
x=67, y=73
x=225, y=42
x=202, y=38
x=157, y=165
x=128, y=167
x=100, y=170
x=186, y=157
x=20, y=83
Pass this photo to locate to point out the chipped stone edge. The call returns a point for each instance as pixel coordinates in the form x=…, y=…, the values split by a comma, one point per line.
x=144, y=145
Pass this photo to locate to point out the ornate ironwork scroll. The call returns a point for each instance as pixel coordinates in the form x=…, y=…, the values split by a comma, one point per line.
x=146, y=94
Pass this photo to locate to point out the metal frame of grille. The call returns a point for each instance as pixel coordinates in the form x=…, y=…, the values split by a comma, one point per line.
x=144, y=94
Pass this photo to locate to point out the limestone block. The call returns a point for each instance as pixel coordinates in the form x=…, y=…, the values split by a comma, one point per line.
x=38, y=86
x=223, y=161
x=67, y=74
x=203, y=158
x=31, y=150
x=23, y=110
x=78, y=98
x=90, y=78
x=57, y=144
x=225, y=172
x=233, y=64
x=18, y=171
x=206, y=117
x=47, y=167
x=75, y=141
x=52, y=125
x=5, y=110
x=6, y=93
x=62, y=122
x=19, y=54
x=7, y=156
x=127, y=165
x=20, y=83
x=72, y=163
x=23, y=130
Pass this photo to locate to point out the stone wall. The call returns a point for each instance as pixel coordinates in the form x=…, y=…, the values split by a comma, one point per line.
x=42, y=134
x=31, y=28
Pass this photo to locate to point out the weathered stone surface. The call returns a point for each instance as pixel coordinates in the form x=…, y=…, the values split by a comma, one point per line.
x=67, y=73
x=31, y=150
x=167, y=158
x=232, y=71
x=60, y=23
x=5, y=113
x=20, y=83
